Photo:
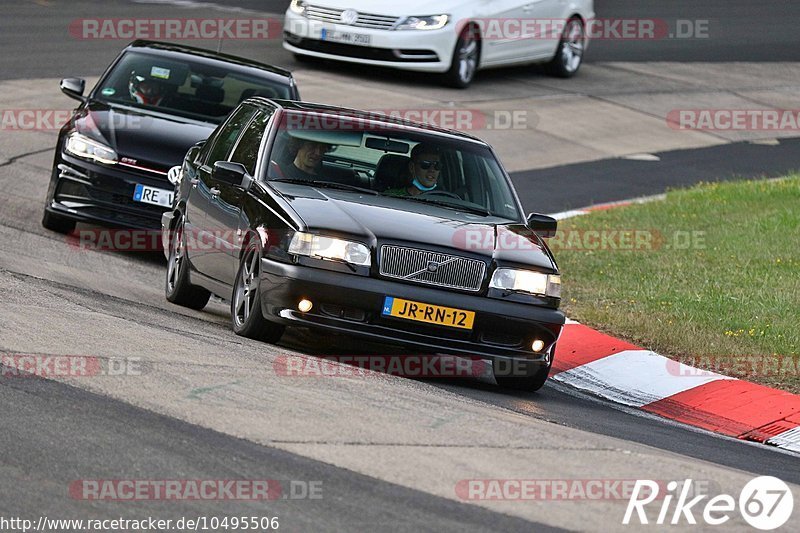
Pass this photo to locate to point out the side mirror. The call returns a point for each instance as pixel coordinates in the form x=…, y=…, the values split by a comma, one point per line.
x=232, y=174
x=73, y=87
x=543, y=225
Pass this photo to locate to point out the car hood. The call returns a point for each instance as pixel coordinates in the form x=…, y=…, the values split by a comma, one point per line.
x=374, y=219
x=147, y=139
x=383, y=7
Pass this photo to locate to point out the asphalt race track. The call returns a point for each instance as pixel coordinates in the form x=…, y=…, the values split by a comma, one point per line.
x=386, y=451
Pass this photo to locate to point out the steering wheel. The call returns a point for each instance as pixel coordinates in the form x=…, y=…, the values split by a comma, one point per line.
x=441, y=193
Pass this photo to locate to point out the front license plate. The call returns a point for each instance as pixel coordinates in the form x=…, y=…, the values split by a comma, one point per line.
x=151, y=195
x=346, y=37
x=430, y=314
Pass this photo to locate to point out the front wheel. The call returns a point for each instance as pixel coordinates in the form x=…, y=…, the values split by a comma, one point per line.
x=57, y=223
x=531, y=383
x=177, y=289
x=246, y=316
x=569, y=54
x=465, y=60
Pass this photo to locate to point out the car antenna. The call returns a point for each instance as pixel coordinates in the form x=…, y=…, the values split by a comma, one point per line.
x=219, y=44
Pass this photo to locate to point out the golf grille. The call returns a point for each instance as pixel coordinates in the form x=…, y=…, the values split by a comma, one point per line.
x=431, y=268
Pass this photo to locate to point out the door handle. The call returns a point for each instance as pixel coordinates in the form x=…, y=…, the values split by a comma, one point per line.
x=214, y=192
x=194, y=182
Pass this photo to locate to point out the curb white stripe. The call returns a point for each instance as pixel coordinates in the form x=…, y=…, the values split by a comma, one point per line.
x=636, y=377
x=788, y=440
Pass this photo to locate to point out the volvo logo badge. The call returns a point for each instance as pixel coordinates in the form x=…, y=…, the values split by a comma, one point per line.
x=349, y=16
x=433, y=266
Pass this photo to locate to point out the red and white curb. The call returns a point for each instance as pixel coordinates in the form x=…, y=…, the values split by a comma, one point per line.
x=627, y=374
x=602, y=365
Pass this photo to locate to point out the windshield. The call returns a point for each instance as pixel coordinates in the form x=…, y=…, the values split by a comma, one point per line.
x=354, y=154
x=183, y=87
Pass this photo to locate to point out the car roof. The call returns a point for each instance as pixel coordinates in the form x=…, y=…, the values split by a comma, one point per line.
x=367, y=116
x=201, y=54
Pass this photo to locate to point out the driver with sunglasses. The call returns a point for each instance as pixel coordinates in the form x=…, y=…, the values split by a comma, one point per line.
x=424, y=169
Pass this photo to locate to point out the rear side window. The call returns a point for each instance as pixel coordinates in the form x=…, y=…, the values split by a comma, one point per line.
x=226, y=138
x=246, y=151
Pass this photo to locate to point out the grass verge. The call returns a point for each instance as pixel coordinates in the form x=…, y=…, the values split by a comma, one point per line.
x=709, y=276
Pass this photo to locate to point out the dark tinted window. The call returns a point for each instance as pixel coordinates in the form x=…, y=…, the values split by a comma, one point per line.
x=246, y=152
x=226, y=138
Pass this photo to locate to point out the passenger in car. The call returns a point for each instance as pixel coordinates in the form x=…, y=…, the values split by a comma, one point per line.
x=424, y=169
x=308, y=159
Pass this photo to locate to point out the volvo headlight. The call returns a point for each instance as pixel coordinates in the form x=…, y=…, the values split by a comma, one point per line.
x=538, y=283
x=82, y=146
x=298, y=7
x=329, y=248
x=431, y=22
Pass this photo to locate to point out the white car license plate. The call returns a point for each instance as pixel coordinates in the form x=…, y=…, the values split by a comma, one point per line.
x=151, y=195
x=346, y=37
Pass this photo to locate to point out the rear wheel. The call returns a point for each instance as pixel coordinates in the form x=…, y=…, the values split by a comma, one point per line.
x=57, y=223
x=246, y=316
x=177, y=289
x=569, y=54
x=465, y=59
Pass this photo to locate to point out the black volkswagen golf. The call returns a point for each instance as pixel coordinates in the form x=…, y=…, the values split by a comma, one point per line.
x=152, y=104
x=322, y=217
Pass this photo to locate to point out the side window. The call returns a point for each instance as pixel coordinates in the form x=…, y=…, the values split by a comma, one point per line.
x=246, y=152
x=226, y=138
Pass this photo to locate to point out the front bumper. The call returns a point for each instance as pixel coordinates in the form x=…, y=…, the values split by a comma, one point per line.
x=417, y=50
x=102, y=194
x=352, y=304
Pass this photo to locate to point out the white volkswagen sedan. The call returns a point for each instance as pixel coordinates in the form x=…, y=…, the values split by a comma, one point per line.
x=452, y=37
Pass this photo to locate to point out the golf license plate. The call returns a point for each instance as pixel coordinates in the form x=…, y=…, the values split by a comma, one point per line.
x=346, y=37
x=152, y=195
x=430, y=314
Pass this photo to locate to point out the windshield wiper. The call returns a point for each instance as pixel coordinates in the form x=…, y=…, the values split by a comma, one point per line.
x=457, y=207
x=326, y=184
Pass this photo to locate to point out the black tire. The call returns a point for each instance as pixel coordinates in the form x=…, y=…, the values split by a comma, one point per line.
x=466, y=57
x=302, y=58
x=58, y=223
x=247, y=319
x=531, y=383
x=177, y=288
x=569, y=54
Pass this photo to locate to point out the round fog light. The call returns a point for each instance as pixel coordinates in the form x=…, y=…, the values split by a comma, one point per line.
x=305, y=305
x=537, y=345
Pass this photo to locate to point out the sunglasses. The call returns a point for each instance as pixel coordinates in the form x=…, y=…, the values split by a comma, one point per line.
x=425, y=164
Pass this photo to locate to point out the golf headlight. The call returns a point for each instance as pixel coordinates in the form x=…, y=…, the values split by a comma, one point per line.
x=432, y=22
x=527, y=281
x=83, y=146
x=329, y=248
x=298, y=7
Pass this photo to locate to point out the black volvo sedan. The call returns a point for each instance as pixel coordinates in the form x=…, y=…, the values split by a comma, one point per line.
x=322, y=217
x=152, y=104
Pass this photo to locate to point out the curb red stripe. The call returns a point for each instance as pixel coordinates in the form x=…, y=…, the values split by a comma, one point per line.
x=579, y=345
x=730, y=407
